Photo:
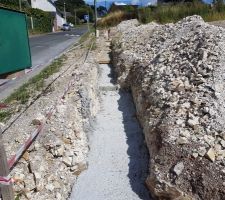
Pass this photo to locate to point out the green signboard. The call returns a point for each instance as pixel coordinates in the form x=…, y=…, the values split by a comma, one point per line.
x=14, y=42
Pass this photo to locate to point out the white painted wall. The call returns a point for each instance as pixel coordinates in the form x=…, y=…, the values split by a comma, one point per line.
x=60, y=20
x=43, y=5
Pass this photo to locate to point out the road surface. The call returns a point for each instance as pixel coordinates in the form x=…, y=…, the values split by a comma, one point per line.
x=44, y=49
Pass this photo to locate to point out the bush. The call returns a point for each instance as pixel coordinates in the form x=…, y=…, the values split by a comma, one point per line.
x=114, y=18
x=175, y=12
x=80, y=12
x=43, y=21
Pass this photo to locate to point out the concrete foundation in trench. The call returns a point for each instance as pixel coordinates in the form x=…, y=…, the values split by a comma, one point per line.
x=118, y=158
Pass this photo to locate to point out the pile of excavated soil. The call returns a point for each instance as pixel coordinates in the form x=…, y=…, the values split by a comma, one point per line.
x=176, y=73
x=49, y=168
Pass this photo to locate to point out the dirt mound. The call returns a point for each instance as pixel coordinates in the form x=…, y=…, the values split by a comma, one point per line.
x=176, y=73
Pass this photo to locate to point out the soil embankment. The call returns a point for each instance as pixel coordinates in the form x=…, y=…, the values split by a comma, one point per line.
x=176, y=75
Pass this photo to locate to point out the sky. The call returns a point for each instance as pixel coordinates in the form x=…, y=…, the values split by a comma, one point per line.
x=109, y=2
x=134, y=2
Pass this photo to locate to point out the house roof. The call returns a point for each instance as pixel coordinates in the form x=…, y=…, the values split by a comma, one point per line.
x=51, y=2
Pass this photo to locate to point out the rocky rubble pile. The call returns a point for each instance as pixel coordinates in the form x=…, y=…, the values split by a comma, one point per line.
x=176, y=73
x=49, y=168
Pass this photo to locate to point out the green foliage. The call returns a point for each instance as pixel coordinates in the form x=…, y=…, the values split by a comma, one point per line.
x=71, y=5
x=4, y=115
x=125, y=8
x=175, y=12
x=30, y=89
x=43, y=21
x=114, y=18
x=80, y=12
x=35, y=84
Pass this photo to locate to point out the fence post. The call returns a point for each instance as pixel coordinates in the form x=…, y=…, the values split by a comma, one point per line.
x=5, y=190
x=32, y=23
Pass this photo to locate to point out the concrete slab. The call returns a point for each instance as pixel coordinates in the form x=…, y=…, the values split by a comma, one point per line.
x=118, y=159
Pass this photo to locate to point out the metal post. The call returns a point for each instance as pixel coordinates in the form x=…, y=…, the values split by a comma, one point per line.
x=32, y=23
x=6, y=190
x=65, y=11
x=95, y=17
x=20, y=5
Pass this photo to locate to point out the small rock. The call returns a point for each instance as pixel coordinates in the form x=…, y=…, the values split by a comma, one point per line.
x=52, y=129
x=219, y=158
x=182, y=140
x=74, y=168
x=60, y=151
x=56, y=185
x=58, y=196
x=178, y=168
x=67, y=141
x=26, y=156
x=217, y=147
x=38, y=119
x=222, y=142
x=193, y=122
x=211, y=155
x=67, y=161
x=195, y=155
x=221, y=153
x=180, y=122
x=2, y=125
x=37, y=175
x=209, y=140
x=223, y=135
x=202, y=151
x=49, y=187
x=185, y=133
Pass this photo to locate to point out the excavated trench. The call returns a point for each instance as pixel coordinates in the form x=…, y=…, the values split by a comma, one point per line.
x=118, y=158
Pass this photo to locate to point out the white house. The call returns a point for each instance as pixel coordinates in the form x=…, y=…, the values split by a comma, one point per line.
x=49, y=6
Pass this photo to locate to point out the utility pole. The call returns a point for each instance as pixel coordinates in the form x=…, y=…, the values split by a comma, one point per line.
x=75, y=16
x=88, y=22
x=65, y=11
x=95, y=17
x=20, y=5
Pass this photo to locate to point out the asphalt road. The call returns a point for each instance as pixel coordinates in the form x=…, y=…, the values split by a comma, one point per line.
x=44, y=49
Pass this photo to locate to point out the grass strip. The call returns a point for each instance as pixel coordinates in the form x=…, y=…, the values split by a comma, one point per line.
x=29, y=89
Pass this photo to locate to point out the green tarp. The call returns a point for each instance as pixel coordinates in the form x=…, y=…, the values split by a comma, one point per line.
x=14, y=42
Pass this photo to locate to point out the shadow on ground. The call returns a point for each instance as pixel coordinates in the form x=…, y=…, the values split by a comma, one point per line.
x=137, y=150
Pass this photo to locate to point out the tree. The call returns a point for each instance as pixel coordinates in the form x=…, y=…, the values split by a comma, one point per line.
x=102, y=10
x=70, y=4
x=179, y=1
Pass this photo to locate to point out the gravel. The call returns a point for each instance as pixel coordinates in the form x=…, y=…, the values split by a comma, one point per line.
x=176, y=75
x=51, y=165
